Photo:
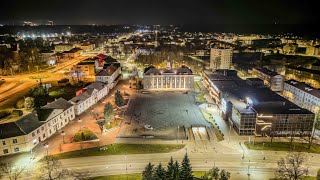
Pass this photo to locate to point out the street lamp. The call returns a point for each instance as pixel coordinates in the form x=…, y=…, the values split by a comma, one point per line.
x=249, y=168
x=229, y=133
x=130, y=83
x=79, y=121
x=125, y=157
x=46, y=145
x=63, y=134
x=242, y=150
x=264, y=156
x=178, y=135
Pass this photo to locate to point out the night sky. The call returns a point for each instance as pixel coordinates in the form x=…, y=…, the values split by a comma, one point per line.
x=160, y=12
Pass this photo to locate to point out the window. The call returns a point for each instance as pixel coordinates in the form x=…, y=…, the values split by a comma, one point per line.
x=38, y=131
x=44, y=135
x=16, y=149
x=14, y=141
x=5, y=151
x=42, y=128
x=33, y=134
x=3, y=143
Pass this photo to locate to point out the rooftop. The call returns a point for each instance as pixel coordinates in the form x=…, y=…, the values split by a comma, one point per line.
x=24, y=125
x=304, y=87
x=266, y=71
x=155, y=71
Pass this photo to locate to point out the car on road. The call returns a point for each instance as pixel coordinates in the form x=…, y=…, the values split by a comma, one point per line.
x=149, y=127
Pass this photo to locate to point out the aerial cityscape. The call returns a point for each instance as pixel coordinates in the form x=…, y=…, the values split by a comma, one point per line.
x=168, y=90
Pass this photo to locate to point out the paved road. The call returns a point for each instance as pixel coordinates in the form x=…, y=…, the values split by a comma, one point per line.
x=121, y=164
x=23, y=82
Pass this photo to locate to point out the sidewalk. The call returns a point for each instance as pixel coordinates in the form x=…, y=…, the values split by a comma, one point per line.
x=89, y=122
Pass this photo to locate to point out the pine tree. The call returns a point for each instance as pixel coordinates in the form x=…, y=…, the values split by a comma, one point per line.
x=186, y=169
x=119, y=99
x=159, y=173
x=108, y=112
x=148, y=172
x=40, y=95
x=170, y=170
x=213, y=174
x=224, y=175
x=176, y=171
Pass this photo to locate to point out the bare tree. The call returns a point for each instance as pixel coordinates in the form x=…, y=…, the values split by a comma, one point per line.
x=11, y=171
x=291, y=167
x=315, y=127
x=50, y=169
x=77, y=76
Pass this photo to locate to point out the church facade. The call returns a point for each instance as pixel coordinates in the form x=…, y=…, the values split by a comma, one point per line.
x=168, y=79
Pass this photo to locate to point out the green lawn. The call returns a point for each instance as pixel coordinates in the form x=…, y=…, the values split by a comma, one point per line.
x=283, y=146
x=200, y=98
x=113, y=124
x=197, y=174
x=216, y=130
x=87, y=135
x=196, y=86
x=120, y=149
x=118, y=177
x=304, y=178
x=66, y=92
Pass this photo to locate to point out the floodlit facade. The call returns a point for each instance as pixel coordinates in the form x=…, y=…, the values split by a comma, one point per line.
x=22, y=134
x=89, y=96
x=110, y=75
x=168, y=79
x=221, y=58
x=253, y=109
x=303, y=95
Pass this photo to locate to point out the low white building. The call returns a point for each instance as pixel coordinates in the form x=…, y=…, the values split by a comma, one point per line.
x=56, y=115
x=303, y=95
x=110, y=75
x=22, y=134
x=89, y=96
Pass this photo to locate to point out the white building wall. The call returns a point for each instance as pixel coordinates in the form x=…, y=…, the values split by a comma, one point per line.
x=220, y=58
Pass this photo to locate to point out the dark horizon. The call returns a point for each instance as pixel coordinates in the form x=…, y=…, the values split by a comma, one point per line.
x=207, y=12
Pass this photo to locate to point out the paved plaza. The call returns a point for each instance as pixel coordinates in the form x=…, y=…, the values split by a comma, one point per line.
x=164, y=112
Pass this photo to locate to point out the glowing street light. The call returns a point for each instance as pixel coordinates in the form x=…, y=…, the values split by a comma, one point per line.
x=46, y=145
x=63, y=134
x=79, y=121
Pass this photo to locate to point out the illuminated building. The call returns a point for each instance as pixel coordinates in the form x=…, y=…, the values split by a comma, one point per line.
x=221, y=58
x=303, y=95
x=110, y=74
x=301, y=74
x=63, y=47
x=168, y=79
x=89, y=96
x=22, y=134
x=271, y=79
x=252, y=108
x=85, y=68
x=72, y=53
x=313, y=50
x=290, y=48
